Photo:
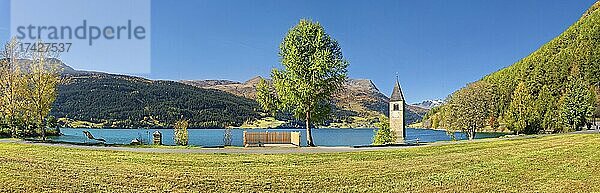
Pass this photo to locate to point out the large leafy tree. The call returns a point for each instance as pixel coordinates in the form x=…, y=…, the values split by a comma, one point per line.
x=11, y=85
x=41, y=90
x=577, y=104
x=470, y=108
x=266, y=96
x=28, y=83
x=314, y=70
x=547, y=110
x=520, y=115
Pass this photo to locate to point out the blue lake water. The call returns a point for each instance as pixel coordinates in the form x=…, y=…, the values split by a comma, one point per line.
x=214, y=137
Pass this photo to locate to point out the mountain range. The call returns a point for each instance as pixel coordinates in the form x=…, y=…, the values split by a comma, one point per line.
x=361, y=101
x=429, y=104
x=96, y=99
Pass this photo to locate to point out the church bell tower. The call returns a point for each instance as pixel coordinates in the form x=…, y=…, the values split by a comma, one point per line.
x=397, y=107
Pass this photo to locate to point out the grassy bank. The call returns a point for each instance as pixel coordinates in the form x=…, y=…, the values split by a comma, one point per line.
x=562, y=163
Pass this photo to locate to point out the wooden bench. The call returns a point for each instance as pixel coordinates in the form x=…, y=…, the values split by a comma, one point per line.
x=261, y=139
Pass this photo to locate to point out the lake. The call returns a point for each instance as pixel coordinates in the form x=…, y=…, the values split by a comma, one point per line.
x=214, y=137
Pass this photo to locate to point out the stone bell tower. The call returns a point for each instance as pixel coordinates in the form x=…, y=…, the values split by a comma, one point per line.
x=397, y=113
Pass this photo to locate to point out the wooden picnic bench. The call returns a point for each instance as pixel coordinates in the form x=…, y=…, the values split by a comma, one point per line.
x=261, y=139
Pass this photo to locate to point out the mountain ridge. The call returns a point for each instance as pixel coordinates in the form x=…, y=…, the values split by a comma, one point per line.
x=103, y=100
x=361, y=98
x=359, y=106
x=429, y=104
x=572, y=55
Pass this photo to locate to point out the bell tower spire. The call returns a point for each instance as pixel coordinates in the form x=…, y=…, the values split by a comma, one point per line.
x=397, y=109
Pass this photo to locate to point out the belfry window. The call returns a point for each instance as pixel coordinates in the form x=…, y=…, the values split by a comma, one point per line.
x=396, y=107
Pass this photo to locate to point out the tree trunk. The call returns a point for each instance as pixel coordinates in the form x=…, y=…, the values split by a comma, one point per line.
x=596, y=122
x=43, y=133
x=43, y=127
x=471, y=134
x=13, y=127
x=309, y=139
x=14, y=131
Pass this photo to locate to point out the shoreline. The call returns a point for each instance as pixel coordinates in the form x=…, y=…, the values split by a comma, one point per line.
x=504, y=132
x=251, y=128
x=255, y=150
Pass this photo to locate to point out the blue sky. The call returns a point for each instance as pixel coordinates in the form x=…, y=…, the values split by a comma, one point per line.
x=436, y=46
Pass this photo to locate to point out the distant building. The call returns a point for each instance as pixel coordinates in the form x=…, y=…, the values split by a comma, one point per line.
x=397, y=107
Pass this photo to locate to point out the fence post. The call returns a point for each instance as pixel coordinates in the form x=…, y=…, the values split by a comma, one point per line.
x=157, y=138
x=245, y=144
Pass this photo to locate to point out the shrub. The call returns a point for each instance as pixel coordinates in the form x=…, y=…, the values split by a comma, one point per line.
x=181, y=132
x=227, y=136
x=384, y=134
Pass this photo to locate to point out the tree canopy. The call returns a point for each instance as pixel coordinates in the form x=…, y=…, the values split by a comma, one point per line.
x=314, y=69
x=28, y=84
x=470, y=109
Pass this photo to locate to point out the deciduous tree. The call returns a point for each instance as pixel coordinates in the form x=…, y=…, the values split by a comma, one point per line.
x=11, y=85
x=576, y=108
x=314, y=70
x=520, y=115
x=41, y=82
x=266, y=96
x=547, y=110
x=469, y=109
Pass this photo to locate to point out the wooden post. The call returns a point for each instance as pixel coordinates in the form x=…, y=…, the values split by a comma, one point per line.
x=295, y=138
x=157, y=138
x=244, y=138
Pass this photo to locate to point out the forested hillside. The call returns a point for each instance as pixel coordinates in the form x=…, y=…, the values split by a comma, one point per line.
x=91, y=99
x=359, y=105
x=119, y=101
x=553, y=89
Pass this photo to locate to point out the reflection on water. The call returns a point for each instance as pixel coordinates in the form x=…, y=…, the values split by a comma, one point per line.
x=214, y=137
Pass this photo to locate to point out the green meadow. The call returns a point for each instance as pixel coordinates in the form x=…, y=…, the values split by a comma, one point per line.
x=555, y=163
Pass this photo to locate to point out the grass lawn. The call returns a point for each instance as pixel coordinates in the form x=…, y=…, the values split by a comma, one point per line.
x=561, y=163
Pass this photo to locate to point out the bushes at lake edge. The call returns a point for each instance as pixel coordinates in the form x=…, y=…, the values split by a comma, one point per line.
x=181, y=133
x=6, y=132
x=384, y=134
